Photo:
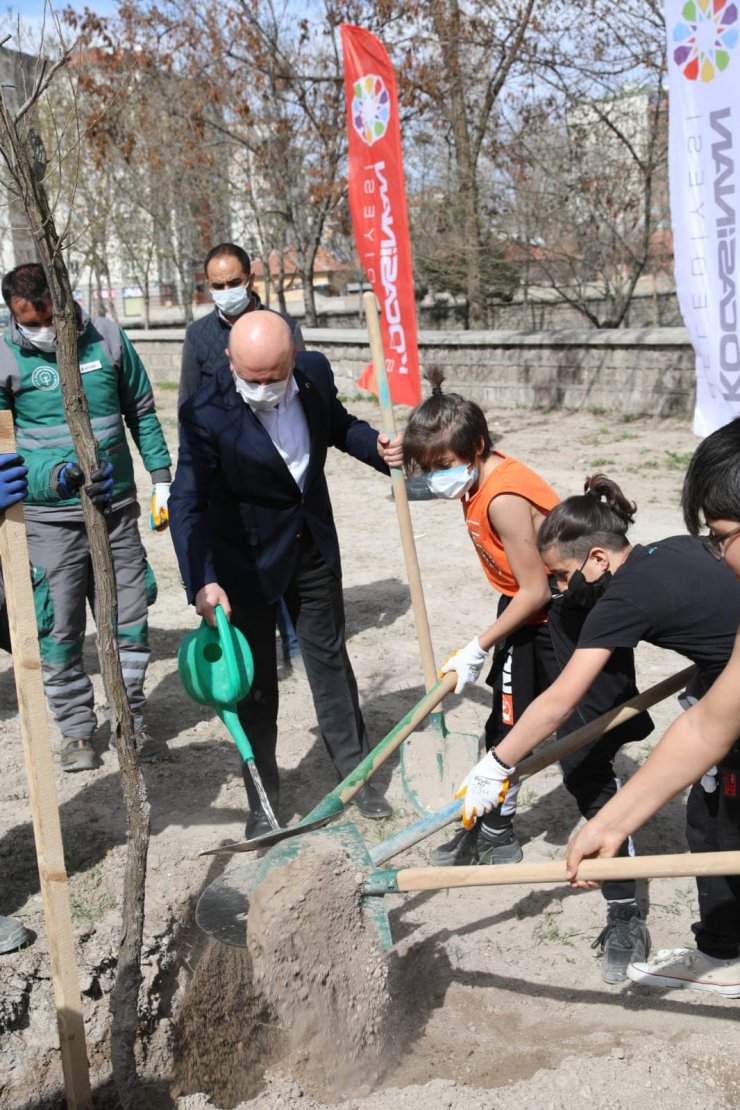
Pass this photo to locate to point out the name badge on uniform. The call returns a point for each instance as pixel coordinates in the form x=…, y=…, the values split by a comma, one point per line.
x=88, y=367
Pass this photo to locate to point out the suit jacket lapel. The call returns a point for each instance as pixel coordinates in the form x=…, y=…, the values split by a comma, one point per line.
x=311, y=403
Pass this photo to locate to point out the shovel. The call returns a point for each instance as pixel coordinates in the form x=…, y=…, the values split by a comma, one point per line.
x=335, y=801
x=433, y=764
x=222, y=908
x=216, y=668
x=684, y=865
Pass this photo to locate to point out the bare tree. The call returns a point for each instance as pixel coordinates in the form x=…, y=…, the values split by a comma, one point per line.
x=587, y=170
x=28, y=179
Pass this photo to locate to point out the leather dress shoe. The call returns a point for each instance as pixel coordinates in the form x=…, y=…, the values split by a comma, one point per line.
x=372, y=804
x=257, y=824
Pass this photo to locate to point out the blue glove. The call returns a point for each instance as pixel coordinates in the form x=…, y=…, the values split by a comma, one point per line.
x=13, y=480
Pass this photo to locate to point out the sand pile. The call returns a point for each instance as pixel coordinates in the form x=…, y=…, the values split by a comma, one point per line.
x=319, y=964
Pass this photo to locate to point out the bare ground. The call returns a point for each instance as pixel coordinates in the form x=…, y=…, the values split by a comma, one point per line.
x=500, y=991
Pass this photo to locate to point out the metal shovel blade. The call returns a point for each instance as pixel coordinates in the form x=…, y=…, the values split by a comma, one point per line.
x=434, y=763
x=268, y=839
x=223, y=908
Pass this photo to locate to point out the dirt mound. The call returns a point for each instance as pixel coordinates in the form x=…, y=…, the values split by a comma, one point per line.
x=226, y=1034
x=321, y=967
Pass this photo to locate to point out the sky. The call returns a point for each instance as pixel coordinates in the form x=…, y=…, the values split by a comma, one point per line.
x=33, y=9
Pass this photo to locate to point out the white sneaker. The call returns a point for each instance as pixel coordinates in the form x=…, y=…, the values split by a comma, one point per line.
x=688, y=967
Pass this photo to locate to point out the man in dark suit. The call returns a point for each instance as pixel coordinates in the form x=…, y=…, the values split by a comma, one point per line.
x=251, y=521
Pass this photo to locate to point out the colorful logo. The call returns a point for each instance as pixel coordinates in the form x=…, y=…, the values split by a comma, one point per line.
x=45, y=377
x=371, y=108
x=706, y=34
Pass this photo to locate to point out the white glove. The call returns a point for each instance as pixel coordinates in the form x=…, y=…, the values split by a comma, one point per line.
x=159, y=518
x=467, y=662
x=484, y=788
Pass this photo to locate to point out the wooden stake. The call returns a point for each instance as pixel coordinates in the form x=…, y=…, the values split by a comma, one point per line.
x=42, y=794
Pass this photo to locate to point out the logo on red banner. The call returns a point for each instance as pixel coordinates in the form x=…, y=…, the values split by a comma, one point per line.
x=729, y=784
x=371, y=108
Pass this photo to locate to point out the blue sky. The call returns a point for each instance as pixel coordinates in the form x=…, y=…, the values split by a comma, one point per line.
x=33, y=9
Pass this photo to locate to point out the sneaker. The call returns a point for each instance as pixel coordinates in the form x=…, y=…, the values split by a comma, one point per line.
x=687, y=967
x=76, y=754
x=623, y=940
x=149, y=749
x=458, y=852
x=13, y=934
x=499, y=848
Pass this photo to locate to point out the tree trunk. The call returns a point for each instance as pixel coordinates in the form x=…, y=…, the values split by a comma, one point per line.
x=446, y=19
x=14, y=147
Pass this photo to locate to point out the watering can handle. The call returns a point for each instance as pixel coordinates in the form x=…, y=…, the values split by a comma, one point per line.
x=225, y=639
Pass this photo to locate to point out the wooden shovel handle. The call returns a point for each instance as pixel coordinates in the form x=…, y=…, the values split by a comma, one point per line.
x=413, y=574
x=681, y=865
x=551, y=753
x=554, y=752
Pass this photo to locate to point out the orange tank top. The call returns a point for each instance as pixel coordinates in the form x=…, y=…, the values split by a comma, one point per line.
x=510, y=476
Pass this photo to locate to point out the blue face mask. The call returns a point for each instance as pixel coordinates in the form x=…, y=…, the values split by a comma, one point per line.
x=453, y=483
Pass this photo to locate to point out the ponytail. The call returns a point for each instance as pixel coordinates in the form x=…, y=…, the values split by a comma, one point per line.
x=442, y=423
x=599, y=517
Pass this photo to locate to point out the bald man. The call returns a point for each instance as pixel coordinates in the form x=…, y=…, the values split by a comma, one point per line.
x=251, y=521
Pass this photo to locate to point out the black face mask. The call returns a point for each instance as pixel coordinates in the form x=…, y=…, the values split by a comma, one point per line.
x=582, y=594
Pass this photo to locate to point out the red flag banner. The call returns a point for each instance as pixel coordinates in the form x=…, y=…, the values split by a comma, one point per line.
x=377, y=201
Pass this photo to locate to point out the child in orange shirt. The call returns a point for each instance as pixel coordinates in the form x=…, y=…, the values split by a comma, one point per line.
x=533, y=636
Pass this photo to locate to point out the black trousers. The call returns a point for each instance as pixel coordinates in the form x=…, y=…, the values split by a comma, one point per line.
x=529, y=661
x=713, y=825
x=316, y=606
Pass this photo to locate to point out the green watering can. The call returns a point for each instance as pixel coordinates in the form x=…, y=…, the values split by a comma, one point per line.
x=216, y=668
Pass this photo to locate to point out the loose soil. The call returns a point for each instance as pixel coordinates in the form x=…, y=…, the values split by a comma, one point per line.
x=318, y=961
x=497, y=992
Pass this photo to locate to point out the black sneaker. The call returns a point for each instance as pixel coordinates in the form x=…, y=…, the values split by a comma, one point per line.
x=458, y=852
x=499, y=848
x=623, y=940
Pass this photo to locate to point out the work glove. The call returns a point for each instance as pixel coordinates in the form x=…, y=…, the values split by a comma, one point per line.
x=467, y=662
x=159, y=520
x=13, y=480
x=100, y=487
x=69, y=479
x=483, y=788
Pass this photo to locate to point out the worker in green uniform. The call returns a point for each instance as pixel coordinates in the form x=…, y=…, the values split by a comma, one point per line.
x=119, y=396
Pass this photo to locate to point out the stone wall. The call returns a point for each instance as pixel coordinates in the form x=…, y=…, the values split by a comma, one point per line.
x=632, y=372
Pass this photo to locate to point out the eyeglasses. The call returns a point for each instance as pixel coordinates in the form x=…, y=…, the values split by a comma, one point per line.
x=717, y=545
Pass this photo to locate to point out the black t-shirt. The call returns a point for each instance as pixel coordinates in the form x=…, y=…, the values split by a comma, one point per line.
x=672, y=594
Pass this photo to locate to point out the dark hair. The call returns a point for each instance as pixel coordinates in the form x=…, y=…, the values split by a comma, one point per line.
x=599, y=517
x=444, y=422
x=711, y=487
x=27, y=281
x=229, y=249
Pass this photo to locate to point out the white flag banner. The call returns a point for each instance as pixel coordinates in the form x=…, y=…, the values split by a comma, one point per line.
x=703, y=162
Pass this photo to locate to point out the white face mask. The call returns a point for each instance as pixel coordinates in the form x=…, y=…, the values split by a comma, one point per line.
x=453, y=483
x=232, y=302
x=261, y=397
x=43, y=338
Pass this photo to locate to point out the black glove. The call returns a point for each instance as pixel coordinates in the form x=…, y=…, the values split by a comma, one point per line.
x=100, y=487
x=69, y=479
